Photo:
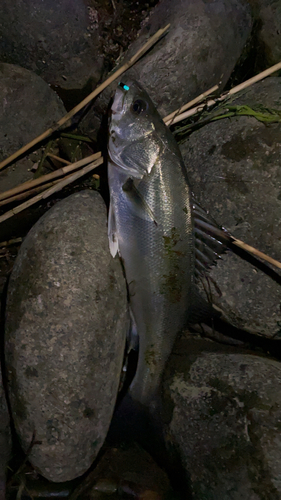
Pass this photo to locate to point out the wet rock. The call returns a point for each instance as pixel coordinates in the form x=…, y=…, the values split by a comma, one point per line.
x=202, y=46
x=268, y=19
x=29, y=107
x=65, y=336
x=57, y=40
x=5, y=440
x=233, y=167
x=223, y=413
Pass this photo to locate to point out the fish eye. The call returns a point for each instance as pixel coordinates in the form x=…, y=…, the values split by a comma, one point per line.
x=139, y=106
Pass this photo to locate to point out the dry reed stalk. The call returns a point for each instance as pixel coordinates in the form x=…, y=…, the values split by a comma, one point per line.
x=89, y=98
x=170, y=119
x=9, y=243
x=30, y=192
x=51, y=190
x=233, y=91
x=53, y=175
x=256, y=252
x=58, y=158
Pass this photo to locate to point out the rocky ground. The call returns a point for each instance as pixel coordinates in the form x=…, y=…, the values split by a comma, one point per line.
x=64, y=310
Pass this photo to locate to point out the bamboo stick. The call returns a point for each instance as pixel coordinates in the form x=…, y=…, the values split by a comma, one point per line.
x=233, y=91
x=256, y=252
x=72, y=178
x=89, y=98
x=9, y=243
x=45, y=178
x=170, y=119
x=51, y=190
x=58, y=158
x=30, y=192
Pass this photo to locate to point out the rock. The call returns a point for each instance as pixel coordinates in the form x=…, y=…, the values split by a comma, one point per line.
x=233, y=167
x=56, y=40
x=223, y=413
x=5, y=440
x=268, y=19
x=203, y=44
x=65, y=336
x=29, y=108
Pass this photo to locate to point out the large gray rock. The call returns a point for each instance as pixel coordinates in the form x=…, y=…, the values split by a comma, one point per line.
x=203, y=44
x=65, y=336
x=234, y=169
x=29, y=107
x=223, y=413
x=56, y=40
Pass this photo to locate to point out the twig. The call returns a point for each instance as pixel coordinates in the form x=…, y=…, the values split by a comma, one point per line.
x=89, y=98
x=58, y=158
x=170, y=119
x=30, y=192
x=53, y=175
x=9, y=243
x=52, y=190
x=256, y=252
x=233, y=91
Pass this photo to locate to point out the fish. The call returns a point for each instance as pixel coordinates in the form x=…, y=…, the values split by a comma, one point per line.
x=151, y=227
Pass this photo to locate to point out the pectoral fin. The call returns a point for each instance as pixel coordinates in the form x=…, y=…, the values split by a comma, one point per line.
x=137, y=203
x=112, y=233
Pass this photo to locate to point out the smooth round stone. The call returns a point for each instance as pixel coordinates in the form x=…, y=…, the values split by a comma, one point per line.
x=66, y=325
x=222, y=411
x=29, y=107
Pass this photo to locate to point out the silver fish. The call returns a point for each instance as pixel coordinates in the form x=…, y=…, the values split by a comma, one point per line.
x=150, y=225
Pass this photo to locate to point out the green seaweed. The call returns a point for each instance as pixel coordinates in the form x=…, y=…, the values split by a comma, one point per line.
x=221, y=111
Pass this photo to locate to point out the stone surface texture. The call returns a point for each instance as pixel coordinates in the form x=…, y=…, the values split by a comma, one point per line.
x=223, y=414
x=29, y=107
x=56, y=40
x=65, y=336
x=203, y=44
x=234, y=170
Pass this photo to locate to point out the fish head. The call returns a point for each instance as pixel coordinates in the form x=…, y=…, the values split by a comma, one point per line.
x=134, y=140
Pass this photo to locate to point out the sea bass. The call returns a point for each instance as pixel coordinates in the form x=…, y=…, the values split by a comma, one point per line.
x=150, y=225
